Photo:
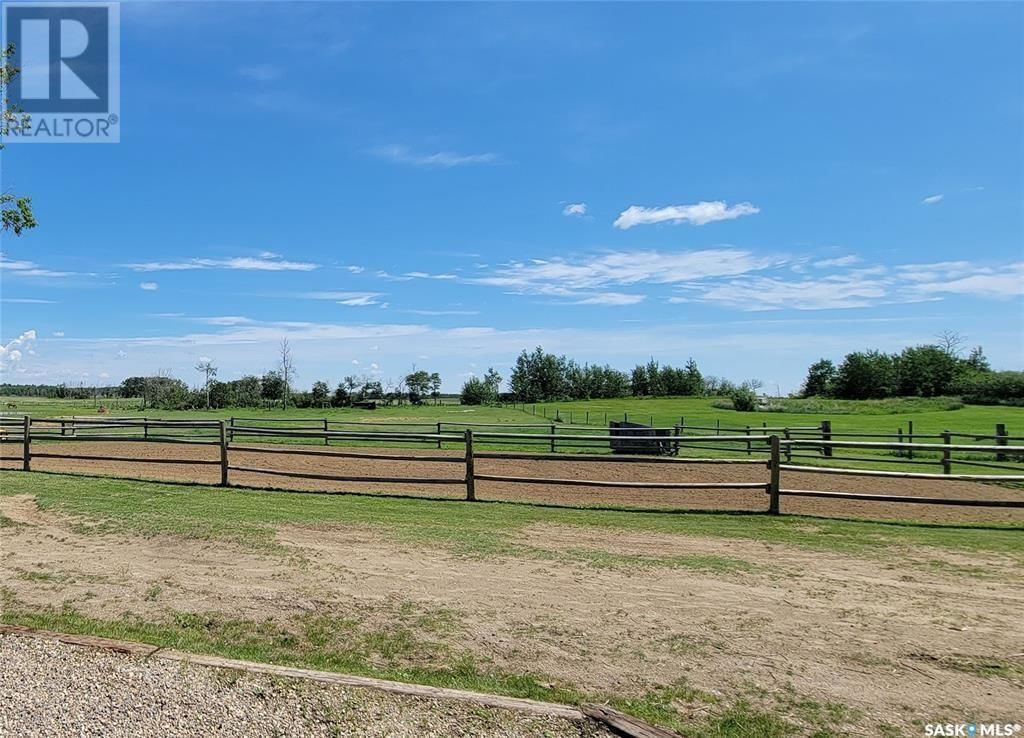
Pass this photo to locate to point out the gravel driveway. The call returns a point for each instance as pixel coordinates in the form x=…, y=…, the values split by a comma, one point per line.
x=51, y=689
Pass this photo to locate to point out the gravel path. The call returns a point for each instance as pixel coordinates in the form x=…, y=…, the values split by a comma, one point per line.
x=51, y=689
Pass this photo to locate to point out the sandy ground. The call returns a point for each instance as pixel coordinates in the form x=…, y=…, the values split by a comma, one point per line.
x=893, y=641
x=716, y=499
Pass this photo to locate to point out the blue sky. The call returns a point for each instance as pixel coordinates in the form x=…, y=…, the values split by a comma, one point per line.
x=753, y=185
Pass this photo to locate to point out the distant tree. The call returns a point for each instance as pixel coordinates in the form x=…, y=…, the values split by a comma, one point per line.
x=744, y=399
x=950, y=342
x=244, y=392
x=925, y=371
x=418, y=385
x=976, y=361
x=287, y=370
x=435, y=387
x=319, y=395
x=476, y=391
x=865, y=375
x=372, y=390
x=272, y=387
x=694, y=380
x=341, y=396
x=539, y=376
x=209, y=371
x=820, y=377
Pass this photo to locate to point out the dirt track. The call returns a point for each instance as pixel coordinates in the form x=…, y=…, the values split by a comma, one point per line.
x=717, y=499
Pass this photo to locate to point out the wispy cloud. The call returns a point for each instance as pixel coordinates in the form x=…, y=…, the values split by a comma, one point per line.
x=611, y=298
x=587, y=278
x=441, y=312
x=839, y=261
x=575, y=209
x=267, y=262
x=699, y=214
x=22, y=268
x=932, y=199
x=262, y=72
x=27, y=301
x=149, y=286
x=860, y=287
x=446, y=159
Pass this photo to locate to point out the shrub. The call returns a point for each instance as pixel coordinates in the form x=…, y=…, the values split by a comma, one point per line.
x=476, y=391
x=744, y=400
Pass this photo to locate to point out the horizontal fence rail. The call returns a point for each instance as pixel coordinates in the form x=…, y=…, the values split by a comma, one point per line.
x=776, y=453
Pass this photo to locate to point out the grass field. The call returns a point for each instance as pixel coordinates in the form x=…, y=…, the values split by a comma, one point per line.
x=713, y=624
x=930, y=416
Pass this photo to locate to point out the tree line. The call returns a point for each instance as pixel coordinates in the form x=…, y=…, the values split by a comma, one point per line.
x=929, y=370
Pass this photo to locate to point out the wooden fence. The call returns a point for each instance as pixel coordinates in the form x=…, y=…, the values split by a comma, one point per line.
x=51, y=433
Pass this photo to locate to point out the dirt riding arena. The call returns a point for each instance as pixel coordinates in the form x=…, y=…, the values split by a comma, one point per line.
x=713, y=499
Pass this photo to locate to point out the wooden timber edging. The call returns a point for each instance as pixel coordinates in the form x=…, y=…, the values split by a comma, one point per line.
x=615, y=721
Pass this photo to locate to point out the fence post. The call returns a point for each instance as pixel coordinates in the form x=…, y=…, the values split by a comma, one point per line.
x=558, y=414
x=62, y=429
x=625, y=417
x=910, y=438
x=1000, y=440
x=899, y=439
x=223, y=455
x=748, y=440
x=570, y=417
x=588, y=418
x=775, y=474
x=675, y=446
x=947, y=461
x=327, y=441
x=553, y=438
x=26, y=441
x=789, y=449
x=470, y=472
x=439, y=434
x=718, y=426
x=231, y=429
x=606, y=418
x=145, y=427
x=826, y=435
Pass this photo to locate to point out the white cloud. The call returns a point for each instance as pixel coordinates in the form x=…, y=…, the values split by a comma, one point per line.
x=611, y=298
x=150, y=286
x=577, y=209
x=343, y=297
x=11, y=352
x=700, y=214
x=21, y=268
x=261, y=72
x=840, y=261
x=427, y=275
x=447, y=159
x=932, y=199
x=27, y=301
x=585, y=278
x=442, y=312
x=58, y=334
x=355, y=269
x=360, y=301
x=267, y=263
x=122, y=355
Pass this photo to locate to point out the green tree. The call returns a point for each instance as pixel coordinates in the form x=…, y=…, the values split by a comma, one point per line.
x=319, y=395
x=15, y=211
x=820, y=377
x=272, y=387
x=417, y=385
x=341, y=396
x=865, y=375
x=925, y=371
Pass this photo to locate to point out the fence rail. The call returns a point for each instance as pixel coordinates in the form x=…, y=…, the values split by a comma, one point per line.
x=52, y=432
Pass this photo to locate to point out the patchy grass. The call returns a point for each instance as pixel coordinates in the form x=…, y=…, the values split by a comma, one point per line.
x=398, y=651
x=251, y=518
